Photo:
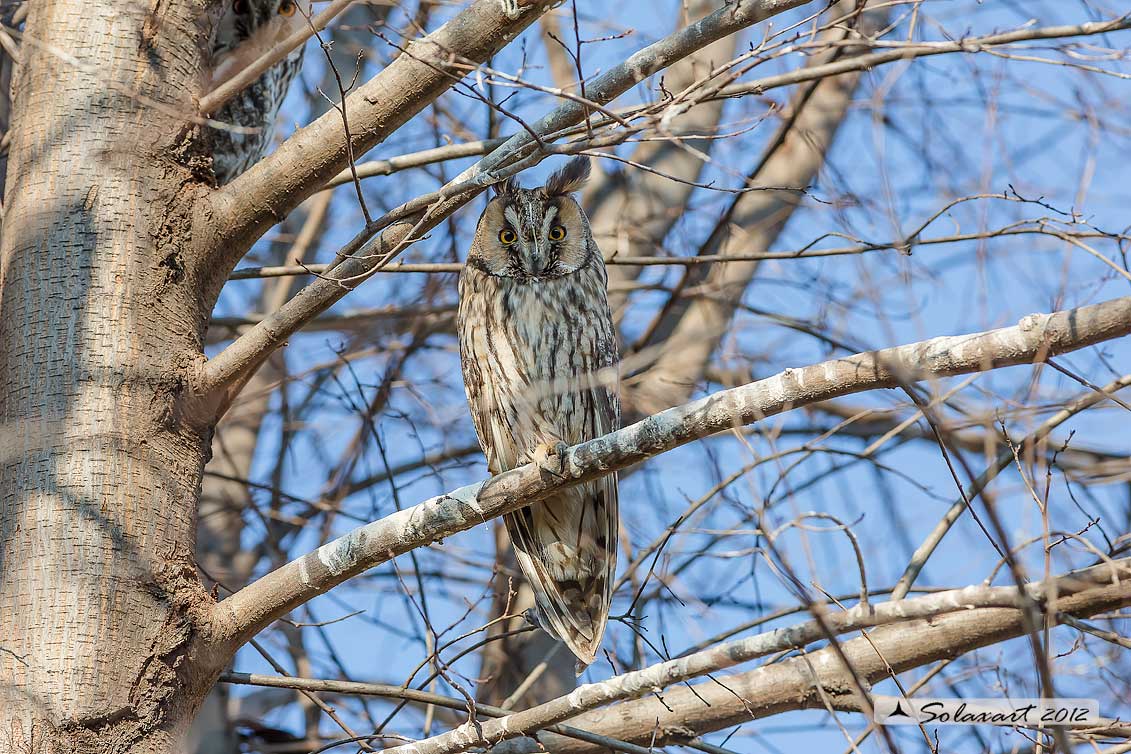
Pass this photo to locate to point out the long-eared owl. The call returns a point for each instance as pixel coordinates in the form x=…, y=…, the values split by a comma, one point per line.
x=247, y=29
x=539, y=357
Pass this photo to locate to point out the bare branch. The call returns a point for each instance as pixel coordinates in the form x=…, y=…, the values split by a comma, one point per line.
x=1004, y=459
x=392, y=165
x=688, y=331
x=247, y=273
x=405, y=225
x=925, y=49
x=1035, y=338
x=245, y=208
x=801, y=682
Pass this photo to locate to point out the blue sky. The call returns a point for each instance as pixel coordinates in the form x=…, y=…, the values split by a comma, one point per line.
x=919, y=135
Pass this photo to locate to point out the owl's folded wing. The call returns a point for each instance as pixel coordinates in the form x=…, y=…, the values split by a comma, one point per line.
x=566, y=545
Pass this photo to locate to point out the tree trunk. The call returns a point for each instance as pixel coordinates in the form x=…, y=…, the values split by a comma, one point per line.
x=101, y=450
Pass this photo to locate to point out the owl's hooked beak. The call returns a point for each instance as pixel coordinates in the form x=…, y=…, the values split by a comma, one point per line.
x=535, y=256
x=538, y=258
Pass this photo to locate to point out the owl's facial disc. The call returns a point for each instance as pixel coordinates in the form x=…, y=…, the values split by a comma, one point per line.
x=527, y=235
x=532, y=251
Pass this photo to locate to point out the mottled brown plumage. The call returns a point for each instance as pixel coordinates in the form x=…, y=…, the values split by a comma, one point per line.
x=539, y=359
x=246, y=30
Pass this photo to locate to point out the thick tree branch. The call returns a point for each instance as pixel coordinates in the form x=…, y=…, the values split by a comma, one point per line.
x=1103, y=587
x=807, y=682
x=408, y=222
x=243, y=210
x=388, y=691
x=215, y=99
x=1035, y=338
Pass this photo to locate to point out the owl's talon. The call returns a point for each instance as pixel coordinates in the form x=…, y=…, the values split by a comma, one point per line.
x=551, y=457
x=531, y=616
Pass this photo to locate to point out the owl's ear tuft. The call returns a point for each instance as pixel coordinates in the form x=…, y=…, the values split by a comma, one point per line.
x=509, y=187
x=570, y=178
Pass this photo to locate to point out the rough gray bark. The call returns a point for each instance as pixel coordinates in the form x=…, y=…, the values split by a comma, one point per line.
x=101, y=328
x=108, y=271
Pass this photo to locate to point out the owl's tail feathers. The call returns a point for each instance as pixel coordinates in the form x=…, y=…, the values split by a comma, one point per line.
x=567, y=549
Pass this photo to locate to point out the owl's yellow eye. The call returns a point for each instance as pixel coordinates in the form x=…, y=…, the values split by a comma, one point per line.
x=557, y=233
x=288, y=8
x=508, y=236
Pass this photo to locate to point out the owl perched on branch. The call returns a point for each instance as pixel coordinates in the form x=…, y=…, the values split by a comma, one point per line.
x=246, y=30
x=539, y=357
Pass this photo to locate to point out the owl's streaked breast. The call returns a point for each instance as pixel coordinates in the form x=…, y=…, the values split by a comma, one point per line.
x=539, y=360
x=535, y=350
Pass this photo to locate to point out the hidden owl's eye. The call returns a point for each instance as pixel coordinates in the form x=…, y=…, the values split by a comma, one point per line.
x=240, y=6
x=508, y=236
x=557, y=233
x=287, y=8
